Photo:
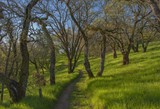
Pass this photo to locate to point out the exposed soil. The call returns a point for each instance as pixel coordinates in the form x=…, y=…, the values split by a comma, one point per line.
x=64, y=102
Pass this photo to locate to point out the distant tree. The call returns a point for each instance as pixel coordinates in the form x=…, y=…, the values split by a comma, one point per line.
x=126, y=18
x=154, y=4
x=148, y=33
x=104, y=29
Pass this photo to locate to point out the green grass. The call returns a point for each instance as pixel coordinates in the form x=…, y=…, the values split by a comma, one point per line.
x=135, y=86
x=50, y=93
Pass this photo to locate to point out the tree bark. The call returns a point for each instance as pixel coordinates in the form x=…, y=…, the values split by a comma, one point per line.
x=40, y=92
x=137, y=47
x=125, y=58
x=103, y=54
x=12, y=86
x=70, y=70
x=131, y=45
x=114, y=53
x=52, y=65
x=24, y=73
x=86, y=60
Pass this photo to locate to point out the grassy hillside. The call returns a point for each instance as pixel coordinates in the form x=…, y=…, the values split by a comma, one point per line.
x=50, y=93
x=135, y=86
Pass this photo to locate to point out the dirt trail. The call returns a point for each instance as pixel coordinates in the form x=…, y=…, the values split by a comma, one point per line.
x=63, y=101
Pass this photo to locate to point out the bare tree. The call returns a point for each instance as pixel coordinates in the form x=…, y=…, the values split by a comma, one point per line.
x=69, y=37
x=85, y=6
x=148, y=32
x=24, y=73
x=17, y=90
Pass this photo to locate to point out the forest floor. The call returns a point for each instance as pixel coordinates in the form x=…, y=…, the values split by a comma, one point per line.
x=64, y=100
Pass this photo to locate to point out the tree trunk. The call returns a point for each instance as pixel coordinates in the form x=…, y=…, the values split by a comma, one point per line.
x=131, y=45
x=103, y=54
x=40, y=92
x=144, y=47
x=52, y=66
x=36, y=67
x=114, y=53
x=24, y=73
x=86, y=61
x=70, y=65
x=137, y=47
x=12, y=86
x=125, y=58
x=75, y=63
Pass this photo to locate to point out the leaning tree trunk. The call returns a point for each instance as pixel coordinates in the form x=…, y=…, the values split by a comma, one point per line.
x=12, y=86
x=52, y=65
x=103, y=54
x=86, y=60
x=24, y=73
x=125, y=58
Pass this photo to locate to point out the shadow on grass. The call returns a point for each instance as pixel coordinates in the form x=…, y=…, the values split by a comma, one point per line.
x=35, y=102
x=129, y=89
x=31, y=102
x=62, y=66
x=132, y=99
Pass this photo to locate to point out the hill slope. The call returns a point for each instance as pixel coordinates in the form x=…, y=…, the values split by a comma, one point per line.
x=135, y=86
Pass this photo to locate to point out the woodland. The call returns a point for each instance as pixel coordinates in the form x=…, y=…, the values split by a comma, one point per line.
x=79, y=54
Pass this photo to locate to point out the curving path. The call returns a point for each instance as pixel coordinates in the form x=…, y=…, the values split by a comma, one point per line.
x=63, y=102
